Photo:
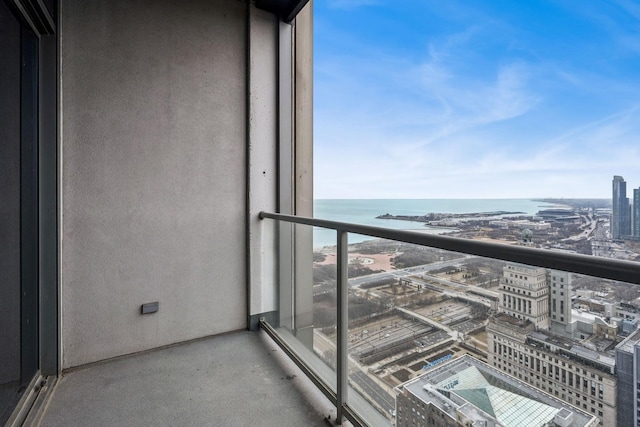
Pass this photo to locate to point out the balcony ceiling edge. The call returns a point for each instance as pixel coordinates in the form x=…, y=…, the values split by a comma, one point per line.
x=285, y=9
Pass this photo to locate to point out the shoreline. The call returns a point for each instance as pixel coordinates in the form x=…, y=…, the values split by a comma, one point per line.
x=431, y=230
x=428, y=218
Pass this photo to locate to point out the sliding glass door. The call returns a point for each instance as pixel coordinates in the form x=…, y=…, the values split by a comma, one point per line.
x=21, y=284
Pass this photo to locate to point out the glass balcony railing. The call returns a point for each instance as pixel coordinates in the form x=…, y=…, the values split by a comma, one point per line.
x=377, y=323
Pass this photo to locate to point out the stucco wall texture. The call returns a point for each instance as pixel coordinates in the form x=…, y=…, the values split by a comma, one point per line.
x=153, y=134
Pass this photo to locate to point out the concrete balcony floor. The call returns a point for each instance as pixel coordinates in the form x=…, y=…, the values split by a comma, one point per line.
x=237, y=379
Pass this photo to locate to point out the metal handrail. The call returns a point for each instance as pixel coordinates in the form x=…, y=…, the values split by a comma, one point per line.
x=625, y=271
x=614, y=269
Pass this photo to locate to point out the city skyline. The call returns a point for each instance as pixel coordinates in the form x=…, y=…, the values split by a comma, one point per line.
x=625, y=210
x=430, y=100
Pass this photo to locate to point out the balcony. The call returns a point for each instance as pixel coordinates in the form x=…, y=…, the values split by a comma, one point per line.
x=251, y=378
x=237, y=379
x=163, y=131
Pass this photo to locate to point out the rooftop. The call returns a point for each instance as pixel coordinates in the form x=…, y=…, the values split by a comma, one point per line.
x=513, y=322
x=482, y=393
x=555, y=340
x=573, y=346
x=629, y=342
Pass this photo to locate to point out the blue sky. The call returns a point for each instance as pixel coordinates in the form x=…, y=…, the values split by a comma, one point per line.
x=475, y=99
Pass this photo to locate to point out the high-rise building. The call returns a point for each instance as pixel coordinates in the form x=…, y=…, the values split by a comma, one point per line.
x=627, y=370
x=636, y=212
x=620, y=215
x=560, y=300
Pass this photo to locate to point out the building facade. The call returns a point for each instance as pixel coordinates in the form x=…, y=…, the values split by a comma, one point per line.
x=620, y=218
x=560, y=301
x=636, y=212
x=577, y=376
x=539, y=348
x=524, y=294
x=627, y=369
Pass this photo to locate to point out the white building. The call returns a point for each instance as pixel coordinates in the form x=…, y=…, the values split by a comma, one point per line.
x=524, y=294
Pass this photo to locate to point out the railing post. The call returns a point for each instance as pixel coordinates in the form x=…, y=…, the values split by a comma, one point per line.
x=342, y=323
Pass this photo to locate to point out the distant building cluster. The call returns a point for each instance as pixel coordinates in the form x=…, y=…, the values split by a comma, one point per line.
x=561, y=356
x=566, y=343
x=522, y=224
x=625, y=217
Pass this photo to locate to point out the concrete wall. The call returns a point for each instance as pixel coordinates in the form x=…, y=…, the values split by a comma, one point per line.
x=153, y=173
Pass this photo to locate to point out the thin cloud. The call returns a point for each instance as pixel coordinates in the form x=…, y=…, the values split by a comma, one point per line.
x=618, y=20
x=469, y=111
x=604, y=130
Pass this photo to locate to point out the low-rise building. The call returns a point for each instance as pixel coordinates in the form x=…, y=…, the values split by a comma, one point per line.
x=566, y=353
x=468, y=392
x=562, y=367
x=627, y=311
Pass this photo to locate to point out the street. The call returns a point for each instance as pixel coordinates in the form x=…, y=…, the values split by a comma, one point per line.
x=374, y=391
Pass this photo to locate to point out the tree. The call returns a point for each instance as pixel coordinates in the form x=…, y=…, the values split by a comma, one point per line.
x=626, y=293
x=319, y=257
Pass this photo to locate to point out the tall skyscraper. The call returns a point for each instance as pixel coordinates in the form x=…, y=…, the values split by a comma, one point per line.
x=636, y=212
x=620, y=215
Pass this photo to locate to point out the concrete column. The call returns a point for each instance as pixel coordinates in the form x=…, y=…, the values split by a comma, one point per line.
x=262, y=162
x=303, y=160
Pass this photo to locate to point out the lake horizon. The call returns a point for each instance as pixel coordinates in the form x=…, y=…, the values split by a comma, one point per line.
x=365, y=211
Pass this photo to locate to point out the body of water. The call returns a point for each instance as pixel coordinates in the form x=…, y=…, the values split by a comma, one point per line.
x=365, y=211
